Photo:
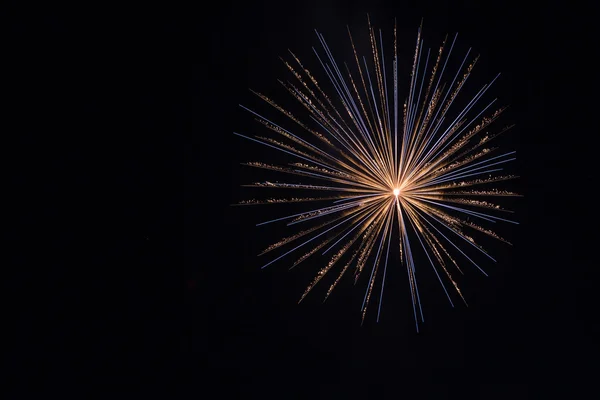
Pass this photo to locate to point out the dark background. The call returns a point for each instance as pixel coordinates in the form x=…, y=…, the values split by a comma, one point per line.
x=96, y=116
x=530, y=313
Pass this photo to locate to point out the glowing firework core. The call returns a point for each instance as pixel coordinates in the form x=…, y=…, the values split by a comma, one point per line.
x=371, y=142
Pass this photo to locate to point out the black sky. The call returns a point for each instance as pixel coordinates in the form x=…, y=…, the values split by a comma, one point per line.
x=246, y=326
x=96, y=112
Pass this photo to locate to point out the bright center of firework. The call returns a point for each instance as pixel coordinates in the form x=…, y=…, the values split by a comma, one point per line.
x=396, y=192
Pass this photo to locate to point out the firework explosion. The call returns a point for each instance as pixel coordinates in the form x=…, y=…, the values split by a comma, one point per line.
x=379, y=164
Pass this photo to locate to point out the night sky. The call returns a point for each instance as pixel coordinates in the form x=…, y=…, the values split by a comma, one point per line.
x=246, y=325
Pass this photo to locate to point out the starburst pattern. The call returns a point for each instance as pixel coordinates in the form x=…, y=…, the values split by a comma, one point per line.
x=379, y=164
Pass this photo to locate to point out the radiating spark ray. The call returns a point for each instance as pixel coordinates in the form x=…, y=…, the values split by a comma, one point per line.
x=375, y=264
x=433, y=132
x=453, y=180
x=308, y=241
x=467, y=171
x=341, y=80
x=350, y=231
x=364, y=226
x=455, y=246
x=432, y=266
x=470, y=166
x=476, y=214
x=333, y=209
x=387, y=253
x=461, y=235
x=280, y=149
x=357, y=197
x=385, y=85
x=284, y=201
x=449, y=140
x=292, y=216
x=410, y=268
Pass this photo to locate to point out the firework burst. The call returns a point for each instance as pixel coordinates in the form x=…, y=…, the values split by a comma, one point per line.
x=383, y=166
